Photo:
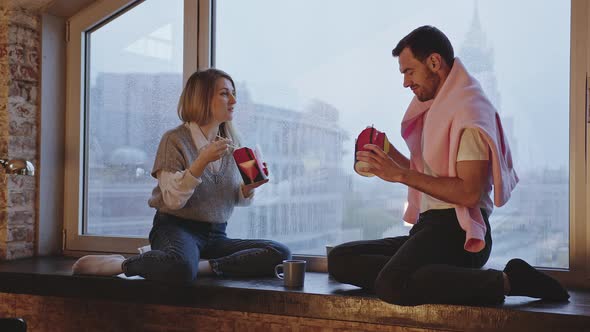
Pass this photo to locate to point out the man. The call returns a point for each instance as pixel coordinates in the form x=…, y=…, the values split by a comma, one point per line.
x=458, y=151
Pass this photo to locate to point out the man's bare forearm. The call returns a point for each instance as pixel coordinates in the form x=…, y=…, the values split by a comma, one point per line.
x=398, y=157
x=447, y=189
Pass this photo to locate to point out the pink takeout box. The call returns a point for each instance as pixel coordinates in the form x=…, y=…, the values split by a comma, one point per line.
x=369, y=135
x=251, y=167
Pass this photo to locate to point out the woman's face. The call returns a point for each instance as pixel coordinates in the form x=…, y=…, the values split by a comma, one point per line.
x=223, y=101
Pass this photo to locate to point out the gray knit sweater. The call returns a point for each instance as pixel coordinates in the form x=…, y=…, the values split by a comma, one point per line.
x=211, y=202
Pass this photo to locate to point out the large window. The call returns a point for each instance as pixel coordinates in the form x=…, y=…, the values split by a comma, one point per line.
x=310, y=76
x=131, y=75
x=313, y=74
x=134, y=78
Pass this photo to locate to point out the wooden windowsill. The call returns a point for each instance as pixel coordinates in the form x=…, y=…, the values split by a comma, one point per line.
x=320, y=298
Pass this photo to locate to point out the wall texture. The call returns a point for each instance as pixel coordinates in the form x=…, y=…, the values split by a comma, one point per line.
x=19, y=114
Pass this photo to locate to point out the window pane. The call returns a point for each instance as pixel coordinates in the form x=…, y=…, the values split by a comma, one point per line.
x=134, y=78
x=313, y=74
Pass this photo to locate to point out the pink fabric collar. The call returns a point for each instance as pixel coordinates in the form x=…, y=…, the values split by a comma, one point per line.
x=460, y=104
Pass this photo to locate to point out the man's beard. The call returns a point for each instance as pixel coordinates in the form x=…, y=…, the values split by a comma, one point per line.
x=429, y=88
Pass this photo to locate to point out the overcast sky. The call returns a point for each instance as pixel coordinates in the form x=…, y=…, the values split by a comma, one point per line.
x=339, y=51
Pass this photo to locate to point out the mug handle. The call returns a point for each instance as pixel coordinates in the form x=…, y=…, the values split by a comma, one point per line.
x=279, y=275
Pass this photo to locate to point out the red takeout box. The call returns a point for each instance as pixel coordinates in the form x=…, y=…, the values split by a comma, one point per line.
x=369, y=135
x=250, y=164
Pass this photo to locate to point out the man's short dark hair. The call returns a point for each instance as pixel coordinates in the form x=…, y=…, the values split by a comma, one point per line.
x=424, y=41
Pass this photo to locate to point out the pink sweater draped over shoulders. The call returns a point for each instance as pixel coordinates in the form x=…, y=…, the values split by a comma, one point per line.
x=460, y=104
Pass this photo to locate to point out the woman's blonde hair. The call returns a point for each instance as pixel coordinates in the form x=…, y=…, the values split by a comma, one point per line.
x=194, y=104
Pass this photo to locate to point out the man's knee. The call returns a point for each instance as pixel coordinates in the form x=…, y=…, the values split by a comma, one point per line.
x=337, y=266
x=391, y=288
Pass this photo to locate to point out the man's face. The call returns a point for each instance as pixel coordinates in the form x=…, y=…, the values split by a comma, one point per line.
x=418, y=76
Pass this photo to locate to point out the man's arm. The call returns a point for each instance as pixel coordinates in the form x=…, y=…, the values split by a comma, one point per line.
x=398, y=157
x=464, y=190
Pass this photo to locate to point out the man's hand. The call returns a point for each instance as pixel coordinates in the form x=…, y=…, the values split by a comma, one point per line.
x=465, y=189
x=380, y=164
x=248, y=189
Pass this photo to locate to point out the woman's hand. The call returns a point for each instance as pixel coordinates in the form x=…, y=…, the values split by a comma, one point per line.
x=214, y=150
x=210, y=153
x=380, y=164
x=248, y=189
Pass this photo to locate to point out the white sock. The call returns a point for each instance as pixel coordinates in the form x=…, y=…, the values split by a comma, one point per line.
x=102, y=265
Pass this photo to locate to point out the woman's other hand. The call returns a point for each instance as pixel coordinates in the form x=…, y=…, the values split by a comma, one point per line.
x=248, y=189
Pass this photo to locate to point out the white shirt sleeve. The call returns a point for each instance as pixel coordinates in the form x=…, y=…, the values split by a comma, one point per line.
x=177, y=187
x=245, y=201
x=473, y=146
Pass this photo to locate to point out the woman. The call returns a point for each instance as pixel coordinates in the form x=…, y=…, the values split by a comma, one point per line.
x=198, y=187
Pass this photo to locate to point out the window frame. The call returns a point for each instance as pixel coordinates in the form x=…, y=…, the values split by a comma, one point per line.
x=578, y=273
x=76, y=243
x=199, y=16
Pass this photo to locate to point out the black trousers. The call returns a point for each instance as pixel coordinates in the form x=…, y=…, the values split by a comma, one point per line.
x=429, y=265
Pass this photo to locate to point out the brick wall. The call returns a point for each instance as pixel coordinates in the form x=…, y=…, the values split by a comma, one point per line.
x=65, y=314
x=19, y=118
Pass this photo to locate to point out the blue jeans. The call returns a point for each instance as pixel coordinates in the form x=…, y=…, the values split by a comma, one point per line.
x=178, y=245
